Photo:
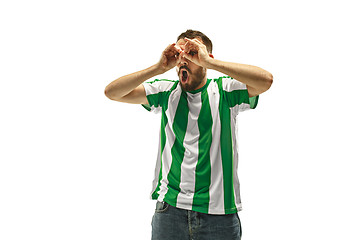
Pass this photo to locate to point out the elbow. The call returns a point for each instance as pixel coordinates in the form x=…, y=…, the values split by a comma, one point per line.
x=108, y=93
x=269, y=80
x=263, y=85
x=112, y=94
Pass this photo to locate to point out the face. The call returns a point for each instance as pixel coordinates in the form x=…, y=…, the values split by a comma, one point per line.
x=191, y=76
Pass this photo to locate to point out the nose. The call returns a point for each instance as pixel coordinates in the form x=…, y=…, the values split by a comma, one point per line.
x=183, y=61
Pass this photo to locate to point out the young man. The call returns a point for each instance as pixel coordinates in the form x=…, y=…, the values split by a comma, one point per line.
x=196, y=184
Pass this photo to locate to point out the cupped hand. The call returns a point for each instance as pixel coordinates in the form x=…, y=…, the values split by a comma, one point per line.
x=170, y=57
x=195, y=51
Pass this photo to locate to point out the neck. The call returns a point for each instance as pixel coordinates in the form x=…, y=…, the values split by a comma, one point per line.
x=203, y=82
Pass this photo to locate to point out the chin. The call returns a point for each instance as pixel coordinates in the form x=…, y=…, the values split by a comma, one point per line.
x=188, y=86
x=185, y=86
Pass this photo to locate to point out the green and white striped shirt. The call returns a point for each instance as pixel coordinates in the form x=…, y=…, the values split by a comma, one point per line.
x=197, y=162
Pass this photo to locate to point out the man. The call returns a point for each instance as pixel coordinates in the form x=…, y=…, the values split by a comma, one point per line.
x=196, y=184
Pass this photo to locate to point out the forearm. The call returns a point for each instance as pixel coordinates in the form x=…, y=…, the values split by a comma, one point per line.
x=257, y=79
x=125, y=84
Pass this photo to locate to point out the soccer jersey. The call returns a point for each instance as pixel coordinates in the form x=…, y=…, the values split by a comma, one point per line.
x=197, y=161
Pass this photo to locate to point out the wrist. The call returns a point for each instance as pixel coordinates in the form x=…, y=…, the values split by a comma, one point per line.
x=157, y=69
x=211, y=63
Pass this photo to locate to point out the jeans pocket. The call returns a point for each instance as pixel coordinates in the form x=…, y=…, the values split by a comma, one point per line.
x=161, y=207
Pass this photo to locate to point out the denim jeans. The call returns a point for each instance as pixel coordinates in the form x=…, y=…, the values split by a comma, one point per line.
x=171, y=223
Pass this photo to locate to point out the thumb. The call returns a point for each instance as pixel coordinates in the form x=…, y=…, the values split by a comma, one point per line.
x=188, y=56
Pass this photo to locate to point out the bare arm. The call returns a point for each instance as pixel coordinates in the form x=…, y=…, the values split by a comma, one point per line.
x=129, y=88
x=257, y=80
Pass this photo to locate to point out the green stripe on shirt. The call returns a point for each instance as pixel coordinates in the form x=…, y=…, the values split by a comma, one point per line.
x=226, y=153
x=237, y=97
x=203, y=167
x=177, y=150
x=164, y=121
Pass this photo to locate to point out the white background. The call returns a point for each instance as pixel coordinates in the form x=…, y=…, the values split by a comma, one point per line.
x=76, y=165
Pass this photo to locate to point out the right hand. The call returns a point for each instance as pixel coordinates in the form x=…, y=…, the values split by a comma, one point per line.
x=170, y=57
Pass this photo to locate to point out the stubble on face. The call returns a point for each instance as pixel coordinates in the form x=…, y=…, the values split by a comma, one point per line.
x=196, y=78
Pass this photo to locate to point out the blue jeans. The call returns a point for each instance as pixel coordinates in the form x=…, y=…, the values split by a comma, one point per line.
x=171, y=223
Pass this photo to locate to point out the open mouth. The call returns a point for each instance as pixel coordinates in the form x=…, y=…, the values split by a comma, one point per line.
x=184, y=76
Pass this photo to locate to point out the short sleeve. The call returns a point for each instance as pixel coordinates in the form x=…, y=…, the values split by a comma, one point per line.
x=156, y=92
x=237, y=96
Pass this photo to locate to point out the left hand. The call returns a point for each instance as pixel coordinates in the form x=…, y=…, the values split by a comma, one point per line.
x=196, y=51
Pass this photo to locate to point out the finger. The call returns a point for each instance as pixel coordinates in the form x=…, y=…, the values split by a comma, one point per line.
x=170, y=46
x=198, y=41
x=188, y=56
x=177, y=48
x=194, y=41
x=173, y=49
x=189, y=44
x=189, y=39
x=191, y=48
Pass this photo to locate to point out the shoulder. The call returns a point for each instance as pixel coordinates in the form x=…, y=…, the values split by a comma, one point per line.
x=229, y=84
x=159, y=85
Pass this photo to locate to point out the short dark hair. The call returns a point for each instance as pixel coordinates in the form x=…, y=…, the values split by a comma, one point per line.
x=197, y=34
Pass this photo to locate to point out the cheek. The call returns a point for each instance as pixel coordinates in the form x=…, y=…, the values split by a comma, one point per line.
x=198, y=70
x=193, y=67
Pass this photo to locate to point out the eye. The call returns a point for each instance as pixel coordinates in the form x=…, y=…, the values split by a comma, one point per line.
x=192, y=53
